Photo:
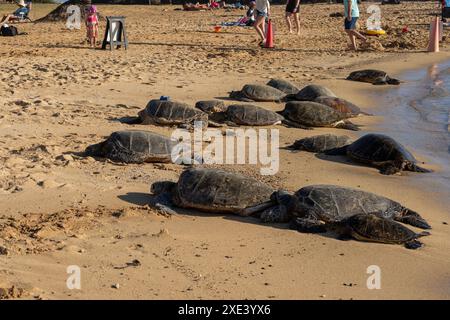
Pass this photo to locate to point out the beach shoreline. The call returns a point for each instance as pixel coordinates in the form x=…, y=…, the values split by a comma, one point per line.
x=93, y=214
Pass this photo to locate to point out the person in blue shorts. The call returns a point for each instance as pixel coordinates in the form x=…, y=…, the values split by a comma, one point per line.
x=262, y=13
x=22, y=11
x=445, y=9
x=351, y=13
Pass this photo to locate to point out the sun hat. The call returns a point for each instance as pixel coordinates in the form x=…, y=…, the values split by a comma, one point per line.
x=21, y=3
x=93, y=9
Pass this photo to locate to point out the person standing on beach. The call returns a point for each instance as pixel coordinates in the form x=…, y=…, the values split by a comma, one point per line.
x=351, y=13
x=292, y=11
x=262, y=12
x=92, y=25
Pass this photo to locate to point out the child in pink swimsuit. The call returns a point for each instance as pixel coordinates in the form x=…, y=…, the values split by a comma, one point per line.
x=92, y=26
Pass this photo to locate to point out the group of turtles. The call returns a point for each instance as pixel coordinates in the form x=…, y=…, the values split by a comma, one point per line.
x=347, y=212
x=317, y=208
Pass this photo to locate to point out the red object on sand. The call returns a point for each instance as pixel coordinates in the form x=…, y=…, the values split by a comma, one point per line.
x=405, y=29
x=269, y=35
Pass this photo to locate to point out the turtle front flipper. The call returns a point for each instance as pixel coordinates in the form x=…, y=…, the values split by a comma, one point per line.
x=249, y=211
x=392, y=81
x=415, y=168
x=413, y=244
x=308, y=225
x=413, y=218
x=379, y=82
x=390, y=168
x=348, y=125
x=275, y=214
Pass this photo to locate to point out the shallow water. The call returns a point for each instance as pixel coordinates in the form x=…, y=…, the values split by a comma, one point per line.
x=417, y=114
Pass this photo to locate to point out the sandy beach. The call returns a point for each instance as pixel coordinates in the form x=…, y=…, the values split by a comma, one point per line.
x=58, y=208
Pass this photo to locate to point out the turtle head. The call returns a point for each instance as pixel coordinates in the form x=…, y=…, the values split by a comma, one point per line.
x=282, y=197
x=162, y=187
x=95, y=150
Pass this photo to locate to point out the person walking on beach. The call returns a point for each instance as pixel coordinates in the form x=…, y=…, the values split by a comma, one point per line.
x=92, y=25
x=292, y=11
x=262, y=12
x=351, y=13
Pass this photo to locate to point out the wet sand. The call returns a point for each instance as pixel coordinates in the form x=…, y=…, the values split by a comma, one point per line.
x=59, y=209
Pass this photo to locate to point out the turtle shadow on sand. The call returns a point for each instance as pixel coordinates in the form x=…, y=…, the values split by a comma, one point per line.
x=225, y=98
x=136, y=198
x=125, y=120
x=339, y=159
x=143, y=199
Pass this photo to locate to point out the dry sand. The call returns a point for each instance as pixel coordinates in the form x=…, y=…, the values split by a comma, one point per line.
x=57, y=209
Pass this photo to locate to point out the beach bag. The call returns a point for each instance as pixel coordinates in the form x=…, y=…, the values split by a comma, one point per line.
x=9, y=31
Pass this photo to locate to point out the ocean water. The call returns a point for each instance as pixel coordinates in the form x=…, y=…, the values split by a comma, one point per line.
x=417, y=114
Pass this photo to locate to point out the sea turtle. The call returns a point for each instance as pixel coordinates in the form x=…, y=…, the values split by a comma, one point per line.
x=312, y=92
x=341, y=105
x=380, y=151
x=134, y=147
x=256, y=92
x=246, y=114
x=162, y=112
x=213, y=190
x=371, y=228
x=317, y=204
x=313, y=114
x=211, y=106
x=376, y=77
x=283, y=85
x=320, y=143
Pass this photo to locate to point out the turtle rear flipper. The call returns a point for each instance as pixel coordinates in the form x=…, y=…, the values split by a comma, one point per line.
x=307, y=225
x=414, y=219
x=347, y=125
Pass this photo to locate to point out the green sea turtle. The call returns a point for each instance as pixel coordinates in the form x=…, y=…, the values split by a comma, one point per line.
x=380, y=151
x=283, y=85
x=256, y=92
x=312, y=92
x=376, y=77
x=370, y=228
x=161, y=112
x=341, y=105
x=313, y=114
x=134, y=147
x=248, y=115
x=318, y=204
x=211, y=106
x=213, y=190
x=320, y=143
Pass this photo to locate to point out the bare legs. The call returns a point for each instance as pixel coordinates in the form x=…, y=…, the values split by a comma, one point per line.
x=260, y=28
x=5, y=19
x=296, y=17
x=353, y=34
